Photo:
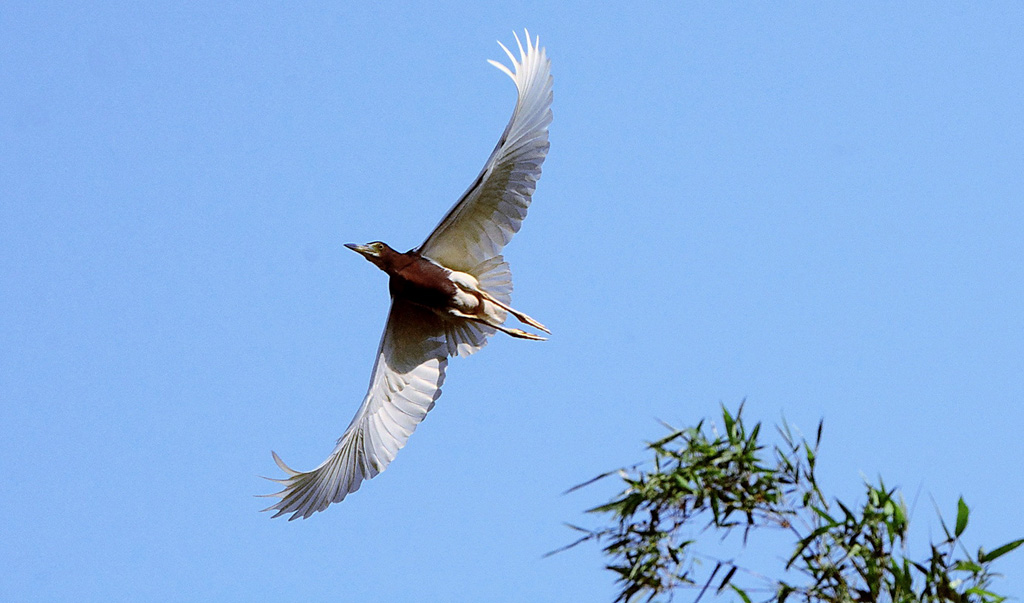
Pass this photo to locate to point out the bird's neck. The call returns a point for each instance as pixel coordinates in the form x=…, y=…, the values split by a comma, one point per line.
x=393, y=262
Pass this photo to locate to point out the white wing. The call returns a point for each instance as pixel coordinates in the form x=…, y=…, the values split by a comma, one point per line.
x=406, y=381
x=492, y=210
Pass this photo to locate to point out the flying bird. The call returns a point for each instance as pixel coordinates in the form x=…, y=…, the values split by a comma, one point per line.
x=447, y=297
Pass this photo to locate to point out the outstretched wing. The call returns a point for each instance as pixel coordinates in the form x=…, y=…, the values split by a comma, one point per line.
x=406, y=381
x=492, y=209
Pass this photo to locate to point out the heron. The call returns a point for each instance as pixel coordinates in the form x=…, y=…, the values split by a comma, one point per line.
x=447, y=297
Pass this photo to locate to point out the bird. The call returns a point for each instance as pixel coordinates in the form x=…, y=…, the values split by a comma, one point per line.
x=447, y=297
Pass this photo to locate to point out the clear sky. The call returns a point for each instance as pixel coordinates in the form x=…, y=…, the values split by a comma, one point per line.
x=815, y=207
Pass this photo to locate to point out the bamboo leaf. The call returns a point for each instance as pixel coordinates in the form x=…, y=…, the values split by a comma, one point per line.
x=961, y=517
x=718, y=566
x=589, y=481
x=742, y=593
x=726, y=579
x=999, y=552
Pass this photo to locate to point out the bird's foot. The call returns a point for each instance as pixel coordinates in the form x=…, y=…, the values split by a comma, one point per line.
x=521, y=334
x=520, y=316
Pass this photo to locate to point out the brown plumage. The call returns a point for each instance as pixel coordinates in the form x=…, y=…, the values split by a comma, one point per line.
x=413, y=277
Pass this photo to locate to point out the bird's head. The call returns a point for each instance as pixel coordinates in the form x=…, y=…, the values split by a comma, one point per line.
x=376, y=252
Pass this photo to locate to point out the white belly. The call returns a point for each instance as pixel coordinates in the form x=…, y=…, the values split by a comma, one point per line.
x=467, y=301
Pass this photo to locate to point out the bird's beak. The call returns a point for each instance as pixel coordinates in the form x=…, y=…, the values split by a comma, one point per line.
x=369, y=252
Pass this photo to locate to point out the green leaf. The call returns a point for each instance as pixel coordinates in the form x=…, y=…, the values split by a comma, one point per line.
x=589, y=481
x=742, y=593
x=821, y=513
x=615, y=505
x=804, y=543
x=726, y=581
x=961, y=516
x=989, y=595
x=850, y=516
x=784, y=591
x=967, y=566
x=999, y=552
x=718, y=566
x=728, y=420
x=921, y=568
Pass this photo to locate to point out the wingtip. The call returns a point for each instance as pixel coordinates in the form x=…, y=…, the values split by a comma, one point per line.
x=532, y=49
x=508, y=52
x=281, y=511
x=283, y=482
x=282, y=465
x=503, y=68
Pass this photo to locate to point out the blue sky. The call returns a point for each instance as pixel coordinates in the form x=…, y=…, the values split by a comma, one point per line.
x=812, y=206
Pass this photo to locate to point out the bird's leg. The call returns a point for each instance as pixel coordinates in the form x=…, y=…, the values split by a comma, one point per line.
x=469, y=284
x=520, y=316
x=521, y=334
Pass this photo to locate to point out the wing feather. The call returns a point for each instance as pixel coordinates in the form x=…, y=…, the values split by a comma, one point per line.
x=483, y=221
x=406, y=382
